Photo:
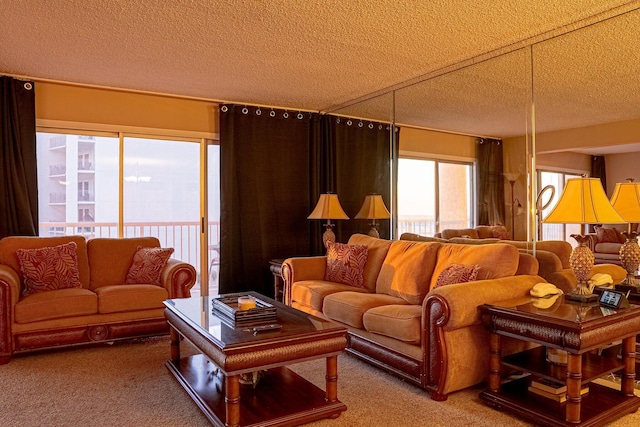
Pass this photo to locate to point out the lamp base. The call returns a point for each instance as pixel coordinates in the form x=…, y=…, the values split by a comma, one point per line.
x=328, y=236
x=373, y=232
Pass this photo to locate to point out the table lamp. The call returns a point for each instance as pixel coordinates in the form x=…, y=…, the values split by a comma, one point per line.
x=328, y=207
x=373, y=208
x=626, y=200
x=583, y=201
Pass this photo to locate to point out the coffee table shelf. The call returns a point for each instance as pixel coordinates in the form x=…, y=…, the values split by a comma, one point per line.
x=270, y=403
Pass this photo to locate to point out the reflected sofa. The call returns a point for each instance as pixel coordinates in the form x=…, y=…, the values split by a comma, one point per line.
x=400, y=321
x=103, y=309
x=605, y=242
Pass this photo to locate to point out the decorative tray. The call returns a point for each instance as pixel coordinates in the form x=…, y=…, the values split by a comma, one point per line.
x=227, y=309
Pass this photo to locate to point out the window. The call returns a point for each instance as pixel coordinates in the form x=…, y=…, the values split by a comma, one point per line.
x=434, y=195
x=79, y=180
x=554, y=231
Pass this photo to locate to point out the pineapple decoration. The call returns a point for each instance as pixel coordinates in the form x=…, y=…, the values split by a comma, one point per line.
x=581, y=262
x=630, y=256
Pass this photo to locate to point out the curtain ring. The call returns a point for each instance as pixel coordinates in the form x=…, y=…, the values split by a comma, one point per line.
x=285, y=115
x=28, y=86
x=360, y=124
x=349, y=122
x=380, y=127
x=338, y=121
x=300, y=116
x=258, y=112
x=370, y=125
x=245, y=110
x=224, y=108
x=272, y=113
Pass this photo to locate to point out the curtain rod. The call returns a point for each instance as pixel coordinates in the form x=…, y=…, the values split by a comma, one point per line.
x=145, y=92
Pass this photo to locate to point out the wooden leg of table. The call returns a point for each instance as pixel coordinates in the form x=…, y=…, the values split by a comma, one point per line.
x=629, y=372
x=494, y=362
x=332, y=379
x=232, y=400
x=174, y=338
x=574, y=384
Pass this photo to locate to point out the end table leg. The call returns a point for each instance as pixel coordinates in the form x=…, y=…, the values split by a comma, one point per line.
x=232, y=400
x=574, y=384
x=174, y=339
x=494, y=363
x=629, y=372
x=332, y=379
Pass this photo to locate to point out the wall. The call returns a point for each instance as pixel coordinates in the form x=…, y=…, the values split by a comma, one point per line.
x=436, y=143
x=59, y=105
x=620, y=167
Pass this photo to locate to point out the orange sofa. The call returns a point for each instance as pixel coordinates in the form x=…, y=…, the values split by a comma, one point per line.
x=400, y=321
x=102, y=309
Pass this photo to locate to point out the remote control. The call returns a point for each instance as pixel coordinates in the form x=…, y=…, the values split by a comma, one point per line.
x=261, y=328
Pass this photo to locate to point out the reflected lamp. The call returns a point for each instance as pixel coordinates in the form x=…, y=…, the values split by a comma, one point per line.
x=626, y=201
x=328, y=207
x=583, y=201
x=373, y=208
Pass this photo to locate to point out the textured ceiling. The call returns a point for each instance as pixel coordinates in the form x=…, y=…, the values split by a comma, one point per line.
x=321, y=55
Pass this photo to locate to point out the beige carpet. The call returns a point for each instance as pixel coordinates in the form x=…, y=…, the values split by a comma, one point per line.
x=127, y=384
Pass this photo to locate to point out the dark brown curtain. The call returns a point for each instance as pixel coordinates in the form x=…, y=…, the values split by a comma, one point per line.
x=19, y=180
x=362, y=166
x=490, y=182
x=264, y=192
x=598, y=170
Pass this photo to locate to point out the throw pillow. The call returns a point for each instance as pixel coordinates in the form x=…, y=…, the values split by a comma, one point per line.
x=607, y=235
x=49, y=268
x=457, y=273
x=345, y=264
x=147, y=265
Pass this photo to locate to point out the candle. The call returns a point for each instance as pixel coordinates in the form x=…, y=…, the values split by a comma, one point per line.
x=246, y=303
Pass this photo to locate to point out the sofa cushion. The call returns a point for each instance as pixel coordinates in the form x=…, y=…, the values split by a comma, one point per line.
x=49, y=268
x=312, y=293
x=10, y=245
x=457, y=273
x=608, y=248
x=377, y=251
x=120, y=298
x=407, y=269
x=55, y=305
x=495, y=260
x=147, y=266
x=402, y=322
x=345, y=264
x=110, y=258
x=349, y=307
x=492, y=231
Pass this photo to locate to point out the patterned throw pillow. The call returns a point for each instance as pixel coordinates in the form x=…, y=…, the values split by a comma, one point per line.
x=457, y=273
x=147, y=266
x=49, y=268
x=345, y=264
x=607, y=235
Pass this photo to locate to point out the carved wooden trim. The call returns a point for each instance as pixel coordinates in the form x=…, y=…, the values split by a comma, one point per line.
x=436, y=312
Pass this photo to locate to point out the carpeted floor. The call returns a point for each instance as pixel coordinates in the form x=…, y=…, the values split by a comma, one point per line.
x=127, y=384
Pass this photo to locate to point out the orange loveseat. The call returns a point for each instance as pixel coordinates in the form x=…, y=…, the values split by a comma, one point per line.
x=102, y=309
x=400, y=321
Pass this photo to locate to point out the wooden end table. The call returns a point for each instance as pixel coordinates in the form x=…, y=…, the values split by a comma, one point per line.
x=280, y=397
x=580, y=330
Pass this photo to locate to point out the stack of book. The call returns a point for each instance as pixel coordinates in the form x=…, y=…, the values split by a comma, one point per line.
x=552, y=389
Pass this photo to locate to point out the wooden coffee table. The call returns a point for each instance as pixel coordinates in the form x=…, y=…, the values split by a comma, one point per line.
x=280, y=397
x=579, y=329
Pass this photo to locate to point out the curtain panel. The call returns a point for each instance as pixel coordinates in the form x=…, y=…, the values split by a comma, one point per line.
x=19, y=179
x=599, y=170
x=274, y=164
x=490, y=188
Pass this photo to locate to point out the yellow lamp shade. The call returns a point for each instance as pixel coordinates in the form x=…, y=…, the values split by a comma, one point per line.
x=328, y=207
x=583, y=201
x=626, y=200
x=373, y=207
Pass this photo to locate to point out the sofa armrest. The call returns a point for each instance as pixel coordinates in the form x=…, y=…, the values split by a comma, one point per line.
x=301, y=268
x=9, y=295
x=178, y=278
x=459, y=303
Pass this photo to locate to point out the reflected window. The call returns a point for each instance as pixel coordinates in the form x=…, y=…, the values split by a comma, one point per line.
x=434, y=195
x=555, y=231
